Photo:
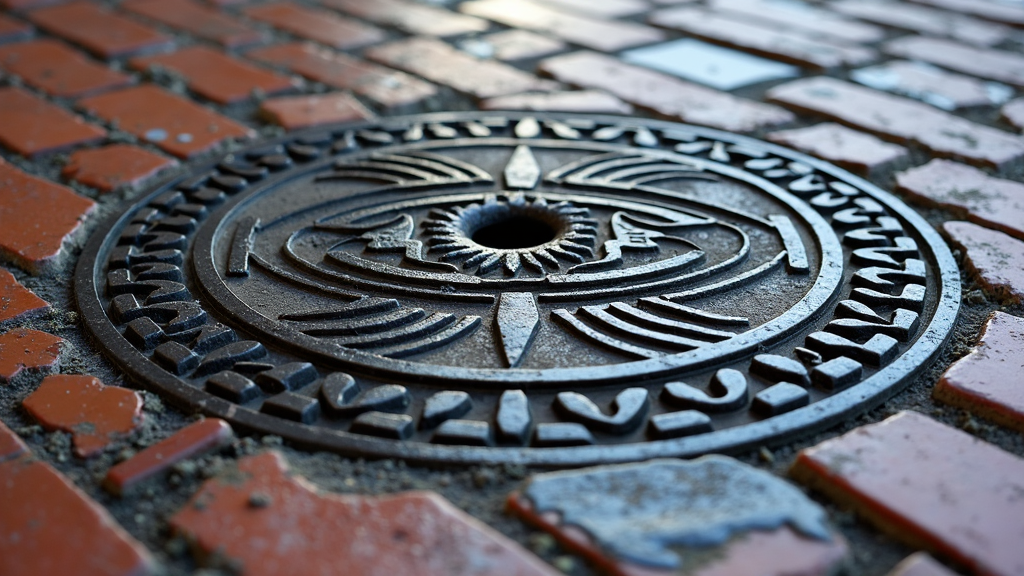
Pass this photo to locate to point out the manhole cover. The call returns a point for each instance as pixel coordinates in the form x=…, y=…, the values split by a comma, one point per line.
x=556, y=290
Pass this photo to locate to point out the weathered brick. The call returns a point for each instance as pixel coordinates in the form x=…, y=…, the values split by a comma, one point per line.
x=767, y=39
x=997, y=11
x=24, y=350
x=30, y=125
x=114, y=166
x=663, y=94
x=58, y=70
x=439, y=62
x=930, y=485
x=216, y=76
x=1013, y=112
x=969, y=192
x=198, y=19
x=520, y=44
x=11, y=29
x=901, y=119
x=296, y=112
x=16, y=301
x=920, y=81
x=171, y=122
x=925, y=20
x=319, y=25
x=387, y=87
x=853, y=150
x=708, y=64
x=603, y=8
x=11, y=445
x=575, y=101
x=604, y=35
x=998, y=65
x=99, y=30
x=802, y=18
x=992, y=259
x=36, y=217
x=987, y=381
x=411, y=17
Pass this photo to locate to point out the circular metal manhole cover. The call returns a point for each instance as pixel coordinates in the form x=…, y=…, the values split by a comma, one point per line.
x=557, y=290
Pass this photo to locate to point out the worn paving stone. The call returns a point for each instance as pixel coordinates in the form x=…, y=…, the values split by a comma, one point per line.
x=28, y=350
x=94, y=414
x=11, y=29
x=389, y=88
x=603, y=8
x=274, y=523
x=58, y=70
x=198, y=19
x=174, y=124
x=99, y=30
x=16, y=301
x=318, y=25
x=663, y=94
x=49, y=526
x=411, y=17
x=189, y=442
x=999, y=65
x=765, y=39
x=575, y=101
x=983, y=199
x=710, y=516
x=901, y=119
x=11, y=445
x=439, y=62
x=995, y=260
x=216, y=76
x=27, y=239
x=987, y=381
x=30, y=125
x=1000, y=12
x=1013, y=112
x=513, y=45
x=114, y=166
x=853, y=150
x=920, y=564
x=804, y=18
x=595, y=33
x=715, y=66
x=920, y=81
x=296, y=112
x=925, y=20
x=929, y=485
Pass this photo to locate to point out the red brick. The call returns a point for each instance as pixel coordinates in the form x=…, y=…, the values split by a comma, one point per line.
x=989, y=10
x=969, y=192
x=10, y=444
x=95, y=414
x=521, y=44
x=114, y=166
x=928, y=485
x=924, y=82
x=99, y=30
x=983, y=62
x=22, y=4
x=197, y=19
x=663, y=94
x=766, y=39
x=16, y=301
x=174, y=124
x=925, y=21
x=801, y=18
x=853, y=150
x=58, y=70
x=36, y=218
x=1013, y=112
x=296, y=112
x=11, y=29
x=216, y=76
x=987, y=381
x=48, y=526
x=901, y=119
x=319, y=25
x=387, y=87
x=411, y=17
x=188, y=442
x=604, y=35
x=30, y=125
x=993, y=259
x=439, y=62
x=920, y=564
x=577, y=101
x=274, y=523
x=602, y=8
x=30, y=350
x=643, y=529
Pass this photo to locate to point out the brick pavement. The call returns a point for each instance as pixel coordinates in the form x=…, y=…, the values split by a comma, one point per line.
x=98, y=99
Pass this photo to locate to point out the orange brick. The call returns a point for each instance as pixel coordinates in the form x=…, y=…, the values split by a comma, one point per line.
x=319, y=25
x=98, y=30
x=114, y=166
x=213, y=75
x=197, y=19
x=303, y=111
x=30, y=125
x=57, y=69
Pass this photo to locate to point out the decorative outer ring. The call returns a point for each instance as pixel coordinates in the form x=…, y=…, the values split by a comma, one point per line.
x=821, y=414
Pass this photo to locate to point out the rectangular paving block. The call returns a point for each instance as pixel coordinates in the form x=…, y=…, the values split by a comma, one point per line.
x=995, y=261
x=929, y=485
x=853, y=150
x=802, y=17
x=99, y=30
x=58, y=69
x=315, y=24
x=998, y=11
x=931, y=84
x=411, y=17
x=30, y=125
x=711, y=65
x=216, y=76
x=294, y=112
x=198, y=19
x=1000, y=65
x=925, y=20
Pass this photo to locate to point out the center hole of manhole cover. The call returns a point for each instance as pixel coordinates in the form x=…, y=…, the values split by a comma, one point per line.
x=513, y=232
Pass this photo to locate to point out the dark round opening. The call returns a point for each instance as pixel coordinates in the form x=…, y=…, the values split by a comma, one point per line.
x=514, y=232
